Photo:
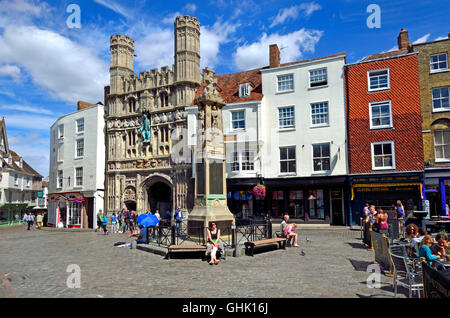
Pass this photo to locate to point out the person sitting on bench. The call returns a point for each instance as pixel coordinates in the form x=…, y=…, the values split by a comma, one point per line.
x=213, y=243
x=283, y=226
x=289, y=231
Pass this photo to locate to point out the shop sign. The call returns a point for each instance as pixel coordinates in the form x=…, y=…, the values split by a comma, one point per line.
x=432, y=181
x=40, y=194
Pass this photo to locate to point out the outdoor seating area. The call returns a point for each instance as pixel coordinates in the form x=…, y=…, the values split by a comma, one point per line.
x=400, y=254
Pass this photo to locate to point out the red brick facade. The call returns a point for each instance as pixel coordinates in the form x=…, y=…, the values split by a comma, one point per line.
x=406, y=119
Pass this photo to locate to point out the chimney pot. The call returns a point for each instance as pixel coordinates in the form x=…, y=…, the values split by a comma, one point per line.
x=403, y=40
x=274, y=54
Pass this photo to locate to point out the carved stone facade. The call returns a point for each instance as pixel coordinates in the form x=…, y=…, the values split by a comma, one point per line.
x=133, y=166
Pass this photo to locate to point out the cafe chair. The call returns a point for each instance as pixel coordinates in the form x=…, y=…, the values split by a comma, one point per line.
x=405, y=275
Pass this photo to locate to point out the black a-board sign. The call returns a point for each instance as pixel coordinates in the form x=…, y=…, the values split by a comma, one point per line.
x=436, y=284
x=381, y=249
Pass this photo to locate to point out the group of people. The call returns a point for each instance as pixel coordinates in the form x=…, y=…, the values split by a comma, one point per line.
x=429, y=248
x=126, y=220
x=31, y=220
x=378, y=218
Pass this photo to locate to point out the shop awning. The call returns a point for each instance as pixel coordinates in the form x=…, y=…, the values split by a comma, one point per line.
x=384, y=185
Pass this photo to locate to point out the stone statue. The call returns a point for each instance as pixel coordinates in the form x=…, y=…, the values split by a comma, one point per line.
x=145, y=129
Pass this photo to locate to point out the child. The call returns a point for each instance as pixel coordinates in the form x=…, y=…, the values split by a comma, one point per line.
x=425, y=250
x=105, y=223
x=289, y=230
x=113, y=223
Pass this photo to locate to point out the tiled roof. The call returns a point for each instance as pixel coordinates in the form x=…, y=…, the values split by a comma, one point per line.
x=385, y=55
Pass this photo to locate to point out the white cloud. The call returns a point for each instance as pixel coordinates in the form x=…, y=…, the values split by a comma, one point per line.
x=441, y=38
x=171, y=18
x=292, y=45
x=34, y=148
x=156, y=48
x=27, y=109
x=114, y=6
x=190, y=7
x=69, y=71
x=423, y=39
x=23, y=6
x=10, y=70
x=293, y=12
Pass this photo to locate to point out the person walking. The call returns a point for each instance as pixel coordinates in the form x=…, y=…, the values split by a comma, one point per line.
x=113, y=223
x=178, y=220
x=39, y=219
x=24, y=219
x=99, y=220
x=30, y=220
x=105, y=224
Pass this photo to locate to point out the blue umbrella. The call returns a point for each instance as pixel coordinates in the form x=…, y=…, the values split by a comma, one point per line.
x=150, y=220
x=142, y=217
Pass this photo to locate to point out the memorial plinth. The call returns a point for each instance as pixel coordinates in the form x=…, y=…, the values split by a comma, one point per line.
x=210, y=175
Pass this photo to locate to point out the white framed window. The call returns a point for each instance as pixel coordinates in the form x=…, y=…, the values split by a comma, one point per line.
x=378, y=80
x=61, y=131
x=321, y=157
x=319, y=114
x=244, y=90
x=80, y=125
x=442, y=145
x=60, y=179
x=286, y=117
x=238, y=119
x=438, y=62
x=80, y=148
x=60, y=152
x=441, y=99
x=380, y=114
x=383, y=155
x=79, y=176
x=288, y=162
x=285, y=83
x=16, y=180
x=235, y=161
x=318, y=78
x=248, y=161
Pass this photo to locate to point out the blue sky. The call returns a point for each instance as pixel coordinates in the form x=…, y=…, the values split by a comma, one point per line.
x=46, y=67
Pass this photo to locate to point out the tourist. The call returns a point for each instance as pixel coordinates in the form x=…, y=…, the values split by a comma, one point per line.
x=99, y=220
x=127, y=220
x=178, y=219
x=366, y=211
x=24, y=219
x=289, y=232
x=167, y=217
x=158, y=215
x=30, y=220
x=382, y=222
x=141, y=235
x=213, y=243
x=371, y=218
x=283, y=225
x=425, y=250
x=411, y=231
x=441, y=246
x=113, y=223
x=417, y=240
x=400, y=210
x=105, y=224
x=39, y=219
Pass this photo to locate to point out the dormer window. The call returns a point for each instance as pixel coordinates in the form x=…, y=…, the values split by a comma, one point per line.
x=244, y=90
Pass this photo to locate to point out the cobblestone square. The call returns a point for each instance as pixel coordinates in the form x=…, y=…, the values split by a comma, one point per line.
x=334, y=265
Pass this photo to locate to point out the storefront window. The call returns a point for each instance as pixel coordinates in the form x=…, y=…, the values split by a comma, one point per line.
x=277, y=203
x=3, y=216
x=74, y=213
x=296, y=203
x=316, y=204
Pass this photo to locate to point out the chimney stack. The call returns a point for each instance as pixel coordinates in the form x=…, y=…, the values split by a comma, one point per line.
x=83, y=105
x=403, y=40
x=274, y=52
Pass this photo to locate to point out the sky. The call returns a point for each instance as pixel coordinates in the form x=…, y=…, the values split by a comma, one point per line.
x=47, y=65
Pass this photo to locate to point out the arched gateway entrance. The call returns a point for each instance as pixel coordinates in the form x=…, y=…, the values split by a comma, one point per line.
x=158, y=194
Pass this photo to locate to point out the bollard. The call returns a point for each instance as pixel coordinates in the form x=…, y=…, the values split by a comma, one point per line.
x=173, y=232
x=233, y=239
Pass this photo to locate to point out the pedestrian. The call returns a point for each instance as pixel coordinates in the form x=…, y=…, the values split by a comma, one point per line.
x=366, y=211
x=113, y=223
x=99, y=220
x=158, y=215
x=105, y=224
x=30, y=220
x=39, y=219
x=400, y=215
x=178, y=220
x=382, y=222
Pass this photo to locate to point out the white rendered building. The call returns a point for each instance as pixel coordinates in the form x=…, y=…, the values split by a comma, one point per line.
x=77, y=167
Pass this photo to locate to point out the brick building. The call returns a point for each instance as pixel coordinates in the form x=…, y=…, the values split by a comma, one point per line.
x=384, y=130
x=434, y=81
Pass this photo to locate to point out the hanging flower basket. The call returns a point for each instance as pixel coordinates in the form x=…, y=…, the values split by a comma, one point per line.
x=259, y=191
x=78, y=199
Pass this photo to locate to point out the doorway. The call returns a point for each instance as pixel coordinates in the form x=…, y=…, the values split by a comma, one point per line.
x=160, y=198
x=337, y=206
x=131, y=205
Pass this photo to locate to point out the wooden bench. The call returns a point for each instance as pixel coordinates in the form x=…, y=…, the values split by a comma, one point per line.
x=186, y=247
x=250, y=246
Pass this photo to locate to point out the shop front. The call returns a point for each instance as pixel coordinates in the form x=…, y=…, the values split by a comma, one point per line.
x=67, y=210
x=11, y=214
x=437, y=191
x=383, y=191
x=241, y=201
